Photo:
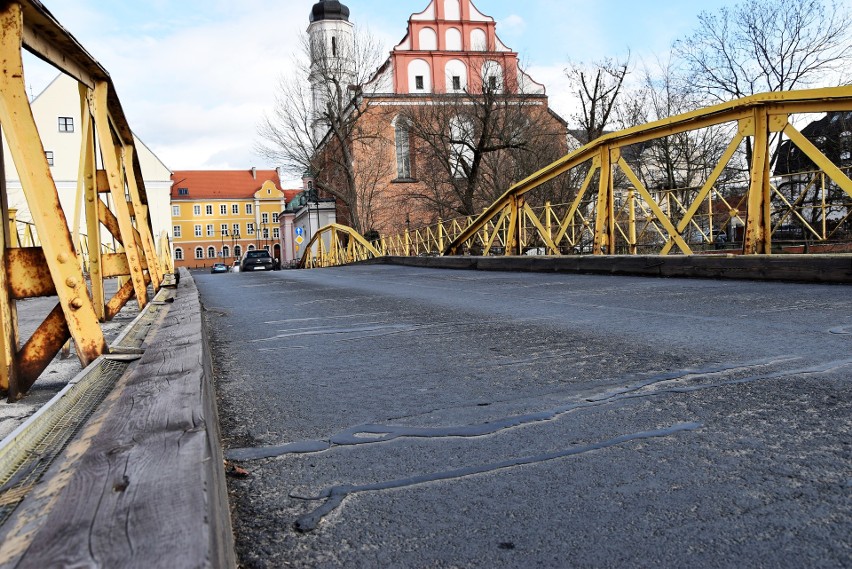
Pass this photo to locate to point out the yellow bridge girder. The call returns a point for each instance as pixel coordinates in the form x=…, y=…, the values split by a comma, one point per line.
x=334, y=245
x=52, y=262
x=757, y=117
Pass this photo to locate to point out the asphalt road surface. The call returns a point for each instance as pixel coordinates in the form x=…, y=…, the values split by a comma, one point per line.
x=401, y=417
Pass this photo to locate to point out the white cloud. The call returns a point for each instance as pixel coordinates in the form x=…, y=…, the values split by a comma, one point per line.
x=511, y=25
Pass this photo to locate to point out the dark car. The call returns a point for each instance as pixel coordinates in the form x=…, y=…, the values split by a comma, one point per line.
x=257, y=261
x=219, y=268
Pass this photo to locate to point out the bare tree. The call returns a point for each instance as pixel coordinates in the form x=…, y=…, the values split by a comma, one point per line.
x=317, y=130
x=598, y=86
x=767, y=45
x=470, y=146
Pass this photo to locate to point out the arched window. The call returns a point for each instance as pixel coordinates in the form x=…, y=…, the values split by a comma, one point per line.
x=403, y=150
x=211, y=252
x=178, y=254
x=428, y=39
x=492, y=77
x=419, y=77
x=237, y=250
x=452, y=10
x=251, y=247
x=478, y=40
x=226, y=252
x=199, y=253
x=456, y=75
x=454, y=40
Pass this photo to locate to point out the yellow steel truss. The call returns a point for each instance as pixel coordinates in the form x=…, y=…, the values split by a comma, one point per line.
x=43, y=260
x=599, y=220
x=335, y=245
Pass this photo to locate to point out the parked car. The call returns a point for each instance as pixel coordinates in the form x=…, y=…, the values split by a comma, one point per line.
x=219, y=268
x=259, y=260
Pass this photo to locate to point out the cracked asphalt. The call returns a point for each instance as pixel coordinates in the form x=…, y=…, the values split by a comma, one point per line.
x=403, y=417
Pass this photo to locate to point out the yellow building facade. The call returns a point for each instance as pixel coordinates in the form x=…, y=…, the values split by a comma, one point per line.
x=219, y=215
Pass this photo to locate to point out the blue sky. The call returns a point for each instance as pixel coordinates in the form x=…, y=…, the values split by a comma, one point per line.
x=195, y=77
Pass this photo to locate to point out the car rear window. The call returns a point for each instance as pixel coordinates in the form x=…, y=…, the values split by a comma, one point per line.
x=256, y=254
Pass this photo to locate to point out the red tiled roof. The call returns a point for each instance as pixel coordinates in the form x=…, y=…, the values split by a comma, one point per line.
x=221, y=184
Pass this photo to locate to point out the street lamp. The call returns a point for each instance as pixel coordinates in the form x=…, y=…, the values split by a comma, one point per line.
x=235, y=236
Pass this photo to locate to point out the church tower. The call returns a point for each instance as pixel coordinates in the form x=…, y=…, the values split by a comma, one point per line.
x=332, y=41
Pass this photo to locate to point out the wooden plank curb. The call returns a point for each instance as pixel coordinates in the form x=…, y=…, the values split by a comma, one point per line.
x=143, y=483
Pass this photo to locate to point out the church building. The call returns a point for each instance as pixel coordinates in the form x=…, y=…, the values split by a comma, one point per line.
x=449, y=65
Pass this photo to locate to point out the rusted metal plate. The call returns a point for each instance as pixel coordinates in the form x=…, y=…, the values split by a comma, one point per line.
x=115, y=265
x=28, y=274
x=39, y=351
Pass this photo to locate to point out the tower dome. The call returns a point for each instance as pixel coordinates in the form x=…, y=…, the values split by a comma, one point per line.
x=329, y=10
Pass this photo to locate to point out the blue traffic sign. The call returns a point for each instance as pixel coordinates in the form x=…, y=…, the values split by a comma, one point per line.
x=300, y=231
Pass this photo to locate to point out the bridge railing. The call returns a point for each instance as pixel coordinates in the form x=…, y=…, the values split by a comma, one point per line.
x=44, y=261
x=614, y=212
x=334, y=245
x=808, y=213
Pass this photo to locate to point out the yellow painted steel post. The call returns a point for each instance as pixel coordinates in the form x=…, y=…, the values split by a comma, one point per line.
x=631, y=204
x=710, y=214
x=407, y=242
x=758, y=233
x=43, y=199
x=13, y=218
x=140, y=212
x=548, y=226
x=824, y=212
x=604, y=218
x=440, y=234
x=8, y=309
x=87, y=177
x=117, y=191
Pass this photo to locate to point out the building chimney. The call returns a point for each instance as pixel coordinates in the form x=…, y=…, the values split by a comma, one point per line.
x=254, y=172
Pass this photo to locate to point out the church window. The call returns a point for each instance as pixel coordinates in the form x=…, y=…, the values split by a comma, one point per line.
x=418, y=82
x=456, y=83
x=403, y=149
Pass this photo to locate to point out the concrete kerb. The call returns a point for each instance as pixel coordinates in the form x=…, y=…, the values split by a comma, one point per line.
x=142, y=484
x=793, y=268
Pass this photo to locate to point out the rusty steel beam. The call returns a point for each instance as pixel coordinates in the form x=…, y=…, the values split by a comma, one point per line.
x=39, y=350
x=55, y=268
x=40, y=190
x=28, y=275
